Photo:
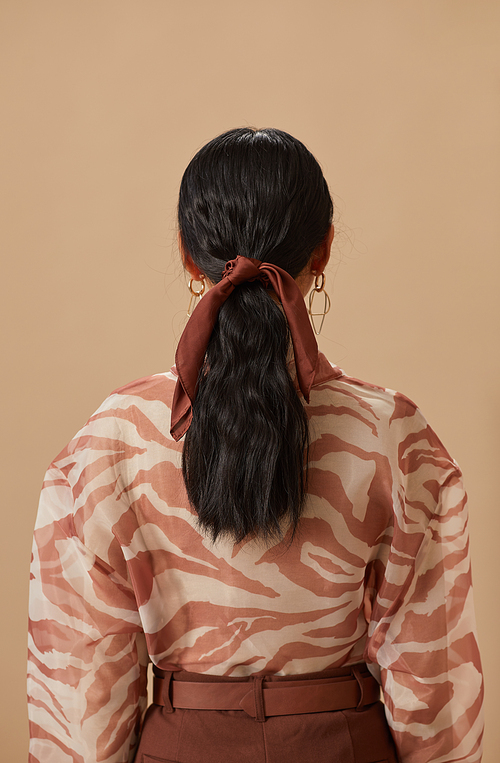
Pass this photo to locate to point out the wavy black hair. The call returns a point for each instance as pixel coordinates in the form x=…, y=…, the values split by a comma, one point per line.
x=260, y=194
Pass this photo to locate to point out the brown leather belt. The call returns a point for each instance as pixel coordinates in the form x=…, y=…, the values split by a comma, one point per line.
x=260, y=698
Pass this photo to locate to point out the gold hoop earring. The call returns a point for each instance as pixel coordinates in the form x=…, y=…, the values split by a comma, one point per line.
x=319, y=286
x=195, y=295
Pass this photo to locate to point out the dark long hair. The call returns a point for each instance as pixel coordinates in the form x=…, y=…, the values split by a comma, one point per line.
x=260, y=194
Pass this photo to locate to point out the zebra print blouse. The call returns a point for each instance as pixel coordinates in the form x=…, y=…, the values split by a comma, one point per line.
x=378, y=572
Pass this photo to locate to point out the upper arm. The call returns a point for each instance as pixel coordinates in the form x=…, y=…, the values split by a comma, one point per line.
x=87, y=653
x=422, y=631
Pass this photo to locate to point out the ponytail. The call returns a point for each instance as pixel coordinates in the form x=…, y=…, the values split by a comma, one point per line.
x=259, y=194
x=243, y=459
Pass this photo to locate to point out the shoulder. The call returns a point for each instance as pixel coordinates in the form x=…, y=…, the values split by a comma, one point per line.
x=149, y=393
x=157, y=387
x=332, y=382
x=385, y=419
x=130, y=417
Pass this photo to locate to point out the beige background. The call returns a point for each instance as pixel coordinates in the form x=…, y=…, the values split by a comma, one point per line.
x=105, y=101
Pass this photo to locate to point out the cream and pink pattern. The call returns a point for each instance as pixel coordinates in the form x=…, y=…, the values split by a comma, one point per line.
x=379, y=571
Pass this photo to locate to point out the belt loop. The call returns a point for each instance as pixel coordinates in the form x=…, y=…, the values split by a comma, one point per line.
x=359, y=678
x=166, y=692
x=258, y=699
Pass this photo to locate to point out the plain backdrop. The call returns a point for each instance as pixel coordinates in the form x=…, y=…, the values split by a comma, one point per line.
x=104, y=103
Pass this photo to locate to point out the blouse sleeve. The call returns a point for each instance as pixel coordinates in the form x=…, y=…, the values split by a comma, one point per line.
x=87, y=654
x=422, y=629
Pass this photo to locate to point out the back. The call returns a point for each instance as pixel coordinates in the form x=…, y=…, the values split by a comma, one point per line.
x=379, y=549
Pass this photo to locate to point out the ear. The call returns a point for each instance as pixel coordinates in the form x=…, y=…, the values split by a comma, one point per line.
x=187, y=260
x=321, y=254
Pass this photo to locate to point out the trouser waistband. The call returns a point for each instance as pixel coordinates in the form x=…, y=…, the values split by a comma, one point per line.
x=262, y=696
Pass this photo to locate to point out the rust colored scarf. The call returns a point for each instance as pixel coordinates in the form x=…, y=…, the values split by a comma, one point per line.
x=196, y=335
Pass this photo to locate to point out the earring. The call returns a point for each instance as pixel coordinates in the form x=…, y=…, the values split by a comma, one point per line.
x=195, y=295
x=319, y=286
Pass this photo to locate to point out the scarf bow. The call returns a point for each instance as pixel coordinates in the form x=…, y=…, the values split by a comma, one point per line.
x=193, y=343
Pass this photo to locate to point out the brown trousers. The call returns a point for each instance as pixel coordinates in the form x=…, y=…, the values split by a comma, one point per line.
x=231, y=736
